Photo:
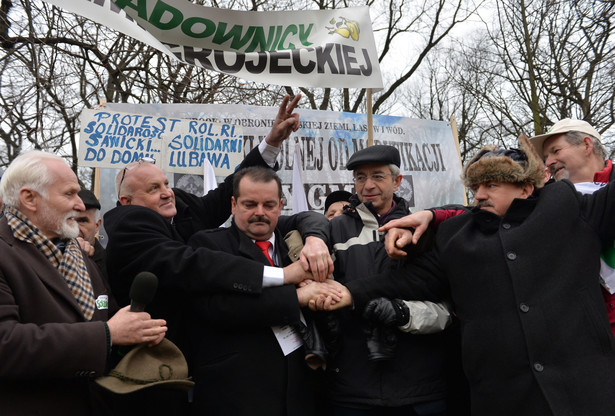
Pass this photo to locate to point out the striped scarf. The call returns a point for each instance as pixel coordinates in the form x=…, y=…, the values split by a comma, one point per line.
x=69, y=264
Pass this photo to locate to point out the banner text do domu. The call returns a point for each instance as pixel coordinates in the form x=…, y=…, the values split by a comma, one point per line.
x=112, y=139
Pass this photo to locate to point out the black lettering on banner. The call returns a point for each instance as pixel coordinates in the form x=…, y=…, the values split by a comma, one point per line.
x=229, y=68
x=299, y=67
x=367, y=68
x=275, y=67
x=340, y=58
x=258, y=66
x=412, y=166
x=323, y=57
x=350, y=60
x=198, y=58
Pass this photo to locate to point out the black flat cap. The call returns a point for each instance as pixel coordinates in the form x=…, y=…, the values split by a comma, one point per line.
x=336, y=196
x=89, y=199
x=374, y=154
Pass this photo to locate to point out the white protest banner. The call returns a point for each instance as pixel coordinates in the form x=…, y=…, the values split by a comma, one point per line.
x=313, y=48
x=112, y=139
x=429, y=160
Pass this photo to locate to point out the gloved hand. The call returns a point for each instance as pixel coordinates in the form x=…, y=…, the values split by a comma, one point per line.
x=315, y=350
x=381, y=342
x=387, y=312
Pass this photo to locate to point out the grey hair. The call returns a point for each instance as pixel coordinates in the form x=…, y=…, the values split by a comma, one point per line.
x=27, y=171
x=96, y=214
x=576, y=137
x=395, y=170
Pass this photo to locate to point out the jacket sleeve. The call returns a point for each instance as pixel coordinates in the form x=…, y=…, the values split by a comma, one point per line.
x=443, y=213
x=274, y=306
x=419, y=279
x=308, y=223
x=141, y=240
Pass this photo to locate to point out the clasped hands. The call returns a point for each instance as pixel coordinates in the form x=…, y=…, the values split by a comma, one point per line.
x=398, y=236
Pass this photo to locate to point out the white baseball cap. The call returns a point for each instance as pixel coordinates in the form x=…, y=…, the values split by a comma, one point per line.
x=561, y=127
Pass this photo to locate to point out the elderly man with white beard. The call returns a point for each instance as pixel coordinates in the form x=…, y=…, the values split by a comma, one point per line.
x=54, y=306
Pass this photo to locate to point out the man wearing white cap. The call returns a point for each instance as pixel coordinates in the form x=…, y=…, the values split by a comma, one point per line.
x=572, y=150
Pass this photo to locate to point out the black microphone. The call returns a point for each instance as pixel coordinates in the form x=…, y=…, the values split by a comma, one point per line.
x=142, y=291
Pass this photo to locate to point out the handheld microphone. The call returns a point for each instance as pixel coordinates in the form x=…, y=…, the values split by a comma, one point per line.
x=142, y=291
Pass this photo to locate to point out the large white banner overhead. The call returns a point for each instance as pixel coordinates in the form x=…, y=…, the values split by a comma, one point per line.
x=319, y=48
x=430, y=161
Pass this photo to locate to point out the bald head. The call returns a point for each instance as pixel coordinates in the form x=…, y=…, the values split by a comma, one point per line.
x=145, y=184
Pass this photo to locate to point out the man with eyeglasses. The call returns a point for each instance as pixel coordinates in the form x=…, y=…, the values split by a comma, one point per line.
x=383, y=364
x=149, y=230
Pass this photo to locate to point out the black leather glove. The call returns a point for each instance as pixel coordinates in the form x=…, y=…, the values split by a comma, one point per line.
x=315, y=351
x=387, y=312
x=381, y=342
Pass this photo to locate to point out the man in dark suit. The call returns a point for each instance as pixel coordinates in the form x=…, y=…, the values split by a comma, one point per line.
x=54, y=305
x=250, y=361
x=149, y=230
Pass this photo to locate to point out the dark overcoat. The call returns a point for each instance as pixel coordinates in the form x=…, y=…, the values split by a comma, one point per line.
x=49, y=353
x=535, y=337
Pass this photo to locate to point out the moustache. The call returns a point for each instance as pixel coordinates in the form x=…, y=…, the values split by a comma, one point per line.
x=482, y=204
x=259, y=218
x=72, y=214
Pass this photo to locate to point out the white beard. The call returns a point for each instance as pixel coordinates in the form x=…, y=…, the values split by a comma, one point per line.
x=54, y=221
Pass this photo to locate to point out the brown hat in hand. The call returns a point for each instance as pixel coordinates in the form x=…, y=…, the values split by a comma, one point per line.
x=162, y=366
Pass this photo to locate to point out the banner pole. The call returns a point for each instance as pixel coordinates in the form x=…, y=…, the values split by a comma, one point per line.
x=456, y=137
x=96, y=187
x=370, y=119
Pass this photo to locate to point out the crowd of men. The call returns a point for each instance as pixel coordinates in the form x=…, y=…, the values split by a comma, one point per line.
x=503, y=308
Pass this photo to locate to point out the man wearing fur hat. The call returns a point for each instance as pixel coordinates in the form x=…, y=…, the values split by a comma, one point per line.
x=521, y=269
x=572, y=150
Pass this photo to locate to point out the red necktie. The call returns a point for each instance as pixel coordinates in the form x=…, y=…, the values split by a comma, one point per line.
x=264, y=246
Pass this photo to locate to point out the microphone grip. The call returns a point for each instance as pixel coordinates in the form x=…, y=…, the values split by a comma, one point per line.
x=142, y=291
x=136, y=306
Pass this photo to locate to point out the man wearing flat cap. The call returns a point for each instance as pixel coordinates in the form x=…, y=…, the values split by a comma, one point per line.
x=383, y=362
x=521, y=270
x=89, y=222
x=572, y=150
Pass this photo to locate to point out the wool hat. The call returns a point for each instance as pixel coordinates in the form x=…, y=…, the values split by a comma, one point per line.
x=374, y=154
x=492, y=164
x=563, y=126
x=89, y=199
x=162, y=365
x=336, y=196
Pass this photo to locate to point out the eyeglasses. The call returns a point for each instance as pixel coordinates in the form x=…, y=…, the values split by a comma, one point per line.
x=377, y=177
x=141, y=160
